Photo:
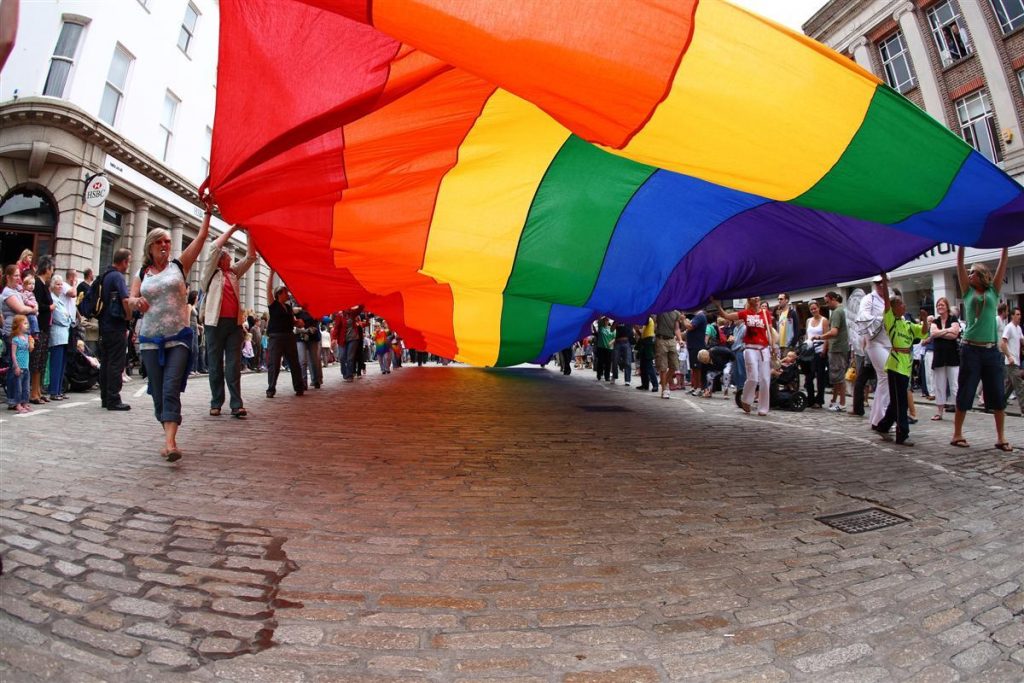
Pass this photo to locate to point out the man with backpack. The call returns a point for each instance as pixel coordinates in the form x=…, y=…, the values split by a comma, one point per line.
x=107, y=300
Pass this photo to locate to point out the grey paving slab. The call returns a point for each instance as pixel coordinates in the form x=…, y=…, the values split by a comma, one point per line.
x=452, y=524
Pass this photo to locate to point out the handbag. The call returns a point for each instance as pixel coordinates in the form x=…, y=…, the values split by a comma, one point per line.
x=851, y=372
x=807, y=352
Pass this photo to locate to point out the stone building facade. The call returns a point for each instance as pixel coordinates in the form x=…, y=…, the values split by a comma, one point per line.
x=122, y=88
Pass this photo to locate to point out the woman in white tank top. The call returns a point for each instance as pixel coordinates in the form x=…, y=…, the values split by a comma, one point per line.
x=817, y=376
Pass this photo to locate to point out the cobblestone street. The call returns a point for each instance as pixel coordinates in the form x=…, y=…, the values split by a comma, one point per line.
x=454, y=524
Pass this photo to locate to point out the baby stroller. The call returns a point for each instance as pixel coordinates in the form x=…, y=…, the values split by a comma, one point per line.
x=80, y=374
x=786, y=392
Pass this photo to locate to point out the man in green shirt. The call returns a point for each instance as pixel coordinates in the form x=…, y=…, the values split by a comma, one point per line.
x=902, y=334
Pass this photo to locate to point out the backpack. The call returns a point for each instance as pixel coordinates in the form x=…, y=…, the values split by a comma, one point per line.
x=91, y=304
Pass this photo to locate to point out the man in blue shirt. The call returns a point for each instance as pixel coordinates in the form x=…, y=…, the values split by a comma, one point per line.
x=113, y=324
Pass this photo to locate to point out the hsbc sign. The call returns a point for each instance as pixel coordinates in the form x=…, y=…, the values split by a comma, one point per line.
x=97, y=188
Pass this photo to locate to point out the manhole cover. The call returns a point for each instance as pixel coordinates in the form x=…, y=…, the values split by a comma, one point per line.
x=176, y=591
x=606, y=409
x=862, y=520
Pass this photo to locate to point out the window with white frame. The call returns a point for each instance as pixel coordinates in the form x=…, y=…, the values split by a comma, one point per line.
x=1020, y=77
x=63, y=59
x=899, y=72
x=949, y=32
x=167, y=123
x=206, y=152
x=188, y=27
x=1010, y=14
x=117, y=78
x=978, y=124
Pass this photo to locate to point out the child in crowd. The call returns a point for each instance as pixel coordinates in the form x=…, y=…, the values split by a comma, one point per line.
x=28, y=295
x=21, y=346
x=247, y=351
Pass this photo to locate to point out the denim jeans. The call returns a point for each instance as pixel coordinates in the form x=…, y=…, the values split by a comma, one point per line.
x=224, y=361
x=350, y=358
x=309, y=362
x=987, y=366
x=194, y=364
x=739, y=369
x=165, y=381
x=57, y=370
x=624, y=358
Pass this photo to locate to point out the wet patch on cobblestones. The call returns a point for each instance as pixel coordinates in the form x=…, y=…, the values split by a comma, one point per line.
x=174, y=591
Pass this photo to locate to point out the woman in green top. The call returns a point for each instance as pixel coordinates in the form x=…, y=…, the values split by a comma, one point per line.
x=980, y=359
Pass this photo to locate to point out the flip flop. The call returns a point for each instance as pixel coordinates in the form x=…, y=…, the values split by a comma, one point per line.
x=1004, y=447
x=172, y=455
x=960, y=443
x=936, y=418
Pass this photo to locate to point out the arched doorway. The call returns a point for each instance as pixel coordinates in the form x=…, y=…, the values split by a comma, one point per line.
x=28, y=217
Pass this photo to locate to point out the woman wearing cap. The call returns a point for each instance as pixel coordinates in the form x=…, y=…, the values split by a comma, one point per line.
x=980, y=359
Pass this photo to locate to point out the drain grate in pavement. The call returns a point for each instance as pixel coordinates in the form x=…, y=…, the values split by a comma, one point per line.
x=176, y=591
x=606, y=409
x=859, y=521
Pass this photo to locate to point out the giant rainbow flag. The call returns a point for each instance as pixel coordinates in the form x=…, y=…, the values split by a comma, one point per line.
x=491, y=175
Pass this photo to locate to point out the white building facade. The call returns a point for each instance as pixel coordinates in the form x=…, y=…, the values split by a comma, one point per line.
x=124, y=88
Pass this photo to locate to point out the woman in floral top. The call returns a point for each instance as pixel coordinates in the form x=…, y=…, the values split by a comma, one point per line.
x=165, y=336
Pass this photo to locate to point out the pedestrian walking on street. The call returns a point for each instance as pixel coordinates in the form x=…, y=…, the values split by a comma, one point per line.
x=876, y=346
x=901, y=334
x=668, y=333
x=222, y=317
x=165, y=336
x=281, y=339
x=758, y=350
x=980, y=360
x=1010, y=346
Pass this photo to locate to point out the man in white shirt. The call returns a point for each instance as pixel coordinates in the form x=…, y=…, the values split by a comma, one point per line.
x=876, y=345
x=1009, y=344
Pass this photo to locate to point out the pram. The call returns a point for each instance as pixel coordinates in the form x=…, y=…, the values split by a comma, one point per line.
x=785, y=390
x=80, y=375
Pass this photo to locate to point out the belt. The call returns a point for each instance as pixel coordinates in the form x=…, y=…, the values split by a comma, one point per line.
x=906, y=350
x=661, y=336
x=981, y=345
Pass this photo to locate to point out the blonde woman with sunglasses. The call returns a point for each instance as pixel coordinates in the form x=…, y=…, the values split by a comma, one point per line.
x=980, y=359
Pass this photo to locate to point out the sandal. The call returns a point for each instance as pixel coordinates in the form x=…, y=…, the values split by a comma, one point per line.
x=239, y=413
x=960, y=443
x=1004, y=447
x=215, y=412
x=171, y=455
x=936, y=418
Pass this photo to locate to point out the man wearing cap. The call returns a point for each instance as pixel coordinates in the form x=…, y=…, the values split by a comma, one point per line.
x=876, y=345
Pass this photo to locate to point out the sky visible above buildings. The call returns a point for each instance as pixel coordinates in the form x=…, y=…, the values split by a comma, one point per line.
x=792, y=13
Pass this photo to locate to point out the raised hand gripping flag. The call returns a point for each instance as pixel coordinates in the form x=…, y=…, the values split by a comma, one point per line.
x=491, y=176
